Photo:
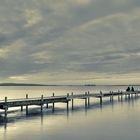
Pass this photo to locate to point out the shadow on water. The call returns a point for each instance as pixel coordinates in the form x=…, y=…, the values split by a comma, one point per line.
x=35, y=112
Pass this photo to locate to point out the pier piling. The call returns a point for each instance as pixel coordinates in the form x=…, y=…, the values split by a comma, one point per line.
x=101, y=101
x=72, y=102
x=85, y=100
x=53, y=104
x=21, y=108
x=26, y=105
x=88, y=98
x=6, y=108
x=42, y=103
x=67, y=102
x=121, y=96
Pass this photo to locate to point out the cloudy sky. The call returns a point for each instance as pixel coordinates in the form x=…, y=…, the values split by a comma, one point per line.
x=70, y=41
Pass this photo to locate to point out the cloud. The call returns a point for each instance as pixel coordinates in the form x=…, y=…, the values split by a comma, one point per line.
x=53, y=40
x=32, y=17
x=18, y=78
x=41, y=57
x=82, y=2
x=3, y=52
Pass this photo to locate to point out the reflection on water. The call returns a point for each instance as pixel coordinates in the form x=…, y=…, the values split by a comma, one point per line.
x=111, y=121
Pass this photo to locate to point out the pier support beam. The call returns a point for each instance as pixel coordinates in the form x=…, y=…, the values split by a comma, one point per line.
x=53, y=104
x=88, y=98
x=67, y=102
x=22, y=108
x=47, y=105
x=128, y=95
x=42, y=103
x=101, y=101
x=136, y=95
x=112, y=96
x=121, y=96
x=6, y=109
x=67, y=105
x=85, y=100
x=53, y=107
x=131, y=95
x=26, y=105
x=118, y=97
x=125, y=96
x=72, y=102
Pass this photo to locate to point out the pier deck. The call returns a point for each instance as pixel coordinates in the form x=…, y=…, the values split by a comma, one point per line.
x=5, y=104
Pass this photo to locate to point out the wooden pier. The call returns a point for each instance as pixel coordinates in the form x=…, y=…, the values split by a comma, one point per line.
x=41, y=101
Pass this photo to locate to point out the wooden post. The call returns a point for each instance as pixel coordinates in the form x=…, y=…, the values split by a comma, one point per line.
x=125, y=96
x=6, y=108
x=85, y=100
x=26, y=105
x=118, y=95
x=53, y=104
x=88, y=98
x=67, y=102
x=131, y=95
x=121, y=96
x=47, y=105
x=128, y=95
x=22, y=108
x=101, y=101
x=110, y=97
x=41, y=103
x=72, y=101
x=135, y=94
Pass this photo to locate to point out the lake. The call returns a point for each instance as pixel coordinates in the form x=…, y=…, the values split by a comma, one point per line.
x=111, y=121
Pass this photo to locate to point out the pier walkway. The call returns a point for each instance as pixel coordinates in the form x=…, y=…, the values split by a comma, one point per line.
x=41, y=101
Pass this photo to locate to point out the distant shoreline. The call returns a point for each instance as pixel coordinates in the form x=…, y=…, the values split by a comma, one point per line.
x=22, y=84
x=87, y=85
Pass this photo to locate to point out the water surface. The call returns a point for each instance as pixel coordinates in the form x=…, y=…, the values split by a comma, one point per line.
x=112, y=121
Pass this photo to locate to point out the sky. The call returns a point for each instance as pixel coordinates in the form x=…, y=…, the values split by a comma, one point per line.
x=70, y=41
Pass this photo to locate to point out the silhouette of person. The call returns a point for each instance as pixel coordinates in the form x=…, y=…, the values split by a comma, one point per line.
x=132, y=88
x=128, y=89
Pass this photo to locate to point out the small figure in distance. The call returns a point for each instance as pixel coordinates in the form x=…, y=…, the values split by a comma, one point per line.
x=132, y=88
x=128, y=89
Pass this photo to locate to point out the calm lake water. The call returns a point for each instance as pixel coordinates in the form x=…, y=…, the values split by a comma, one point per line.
x=112, y=121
